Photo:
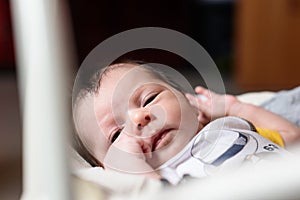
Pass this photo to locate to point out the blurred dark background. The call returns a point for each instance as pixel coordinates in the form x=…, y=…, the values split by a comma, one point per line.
x=208, y=22
x=254, y=43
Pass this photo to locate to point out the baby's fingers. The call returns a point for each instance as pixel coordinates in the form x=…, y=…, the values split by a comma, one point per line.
x=199, y=101
x=203, y=91
x=147, y=149
x=192, y=99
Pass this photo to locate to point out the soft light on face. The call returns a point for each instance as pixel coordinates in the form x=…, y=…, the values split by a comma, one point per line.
x=134, y=105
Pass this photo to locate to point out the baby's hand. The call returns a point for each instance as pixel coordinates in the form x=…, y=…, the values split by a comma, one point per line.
x=128, y=154
x=133, y=145
x=211, y=105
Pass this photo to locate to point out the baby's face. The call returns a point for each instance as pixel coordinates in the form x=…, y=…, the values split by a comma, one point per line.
x=141, y=115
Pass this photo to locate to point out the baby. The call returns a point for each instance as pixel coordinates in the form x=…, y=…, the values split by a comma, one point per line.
x=134, y=120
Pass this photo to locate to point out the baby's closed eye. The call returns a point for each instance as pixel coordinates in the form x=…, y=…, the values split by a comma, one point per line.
x=115, y=135
x=149, y=99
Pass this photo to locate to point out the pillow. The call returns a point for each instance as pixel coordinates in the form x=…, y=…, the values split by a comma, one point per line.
x=256, y=98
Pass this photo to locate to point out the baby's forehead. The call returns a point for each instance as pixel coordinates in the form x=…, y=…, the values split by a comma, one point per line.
x=130, y=67
x=122, y=73
x=125, y=82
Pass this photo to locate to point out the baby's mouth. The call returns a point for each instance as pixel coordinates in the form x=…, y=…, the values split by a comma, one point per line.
x=160, y=139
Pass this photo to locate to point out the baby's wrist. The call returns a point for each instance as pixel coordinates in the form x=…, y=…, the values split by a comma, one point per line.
x=234, y=108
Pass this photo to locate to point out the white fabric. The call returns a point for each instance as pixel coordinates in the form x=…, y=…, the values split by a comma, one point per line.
x=224, y=144
x=120, y=183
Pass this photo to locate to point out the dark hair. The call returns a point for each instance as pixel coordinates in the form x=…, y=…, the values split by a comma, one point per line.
x=91, y=86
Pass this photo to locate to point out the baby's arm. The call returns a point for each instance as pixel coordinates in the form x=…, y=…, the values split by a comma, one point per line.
x=215, y=105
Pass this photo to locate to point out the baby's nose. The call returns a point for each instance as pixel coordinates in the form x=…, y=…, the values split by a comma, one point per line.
x=140, y=118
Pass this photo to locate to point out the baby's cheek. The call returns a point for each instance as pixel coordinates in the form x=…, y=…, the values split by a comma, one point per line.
x=159, y=113
x=175, y=109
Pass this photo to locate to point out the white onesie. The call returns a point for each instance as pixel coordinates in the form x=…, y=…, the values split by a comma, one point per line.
x=224, y=144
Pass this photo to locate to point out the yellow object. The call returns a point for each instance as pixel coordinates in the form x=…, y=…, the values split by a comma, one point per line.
x=272, y=135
